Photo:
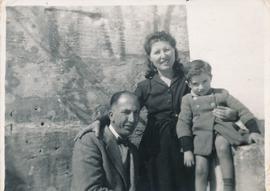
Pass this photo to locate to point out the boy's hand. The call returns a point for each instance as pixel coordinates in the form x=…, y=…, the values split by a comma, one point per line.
x=255, y=138
x=93, y=127
x=188, y=159
x=225, y=113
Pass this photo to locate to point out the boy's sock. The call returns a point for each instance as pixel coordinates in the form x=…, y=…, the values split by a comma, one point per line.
x=228, y=184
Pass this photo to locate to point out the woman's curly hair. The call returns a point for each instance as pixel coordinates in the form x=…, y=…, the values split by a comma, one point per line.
x=156, y=37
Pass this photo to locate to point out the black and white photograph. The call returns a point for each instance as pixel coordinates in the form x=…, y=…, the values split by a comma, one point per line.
x=135, y=96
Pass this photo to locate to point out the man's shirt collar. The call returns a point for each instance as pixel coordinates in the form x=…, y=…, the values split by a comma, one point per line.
x=117, y=136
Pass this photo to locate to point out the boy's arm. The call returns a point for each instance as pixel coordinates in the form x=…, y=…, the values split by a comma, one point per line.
x=184, y=125
x=245, y=115
x=97, y=126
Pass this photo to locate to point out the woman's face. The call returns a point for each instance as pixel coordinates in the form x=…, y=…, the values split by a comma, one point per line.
x=162, y=55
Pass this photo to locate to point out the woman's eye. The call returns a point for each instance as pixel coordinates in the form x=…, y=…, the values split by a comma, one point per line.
x=167, y=50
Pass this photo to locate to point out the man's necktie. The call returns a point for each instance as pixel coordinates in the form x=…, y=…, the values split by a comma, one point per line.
x=124, y=142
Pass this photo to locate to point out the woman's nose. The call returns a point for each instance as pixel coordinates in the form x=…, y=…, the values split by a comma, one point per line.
x=162, y=54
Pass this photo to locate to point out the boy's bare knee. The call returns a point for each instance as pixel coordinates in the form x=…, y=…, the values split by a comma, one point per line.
x=223, y=150
x=222, y=145
x=201, y=170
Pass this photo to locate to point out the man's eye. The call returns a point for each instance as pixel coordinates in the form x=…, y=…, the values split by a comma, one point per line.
x=126, y=112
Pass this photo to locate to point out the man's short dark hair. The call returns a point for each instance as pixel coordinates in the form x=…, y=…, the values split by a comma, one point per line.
x=115, y=97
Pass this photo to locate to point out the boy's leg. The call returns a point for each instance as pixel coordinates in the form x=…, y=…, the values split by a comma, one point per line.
x=201, y=173
x=224, y=154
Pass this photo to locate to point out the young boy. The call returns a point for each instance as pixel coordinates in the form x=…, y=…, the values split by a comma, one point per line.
x=201, y=133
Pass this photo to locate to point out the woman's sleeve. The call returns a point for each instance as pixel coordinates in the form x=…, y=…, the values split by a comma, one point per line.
x=104, y=120
x=141, y=92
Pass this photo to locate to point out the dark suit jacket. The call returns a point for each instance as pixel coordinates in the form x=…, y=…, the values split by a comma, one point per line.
x=97, y=165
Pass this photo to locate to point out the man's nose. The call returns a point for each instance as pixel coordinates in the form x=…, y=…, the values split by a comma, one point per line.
x=131, y=117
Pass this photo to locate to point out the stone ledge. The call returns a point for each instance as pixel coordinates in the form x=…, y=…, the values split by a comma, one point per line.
x=249, y=169
x=39, y=159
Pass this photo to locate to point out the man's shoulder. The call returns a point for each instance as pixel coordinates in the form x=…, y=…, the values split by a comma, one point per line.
x=89, y=139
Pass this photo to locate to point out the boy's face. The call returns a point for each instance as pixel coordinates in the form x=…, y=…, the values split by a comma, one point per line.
x=200, y=84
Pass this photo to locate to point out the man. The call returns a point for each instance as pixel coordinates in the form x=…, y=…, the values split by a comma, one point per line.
x=109, y=163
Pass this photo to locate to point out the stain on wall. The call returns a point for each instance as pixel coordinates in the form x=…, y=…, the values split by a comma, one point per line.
x=63, y=64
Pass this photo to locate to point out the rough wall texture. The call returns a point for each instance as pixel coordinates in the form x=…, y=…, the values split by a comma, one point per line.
x=39, y=159
x=63, y=64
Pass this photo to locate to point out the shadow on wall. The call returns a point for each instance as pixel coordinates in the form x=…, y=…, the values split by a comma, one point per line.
x=39, y=159
x=14, y=183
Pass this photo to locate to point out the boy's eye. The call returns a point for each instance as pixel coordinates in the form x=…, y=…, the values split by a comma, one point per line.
x=156, y=52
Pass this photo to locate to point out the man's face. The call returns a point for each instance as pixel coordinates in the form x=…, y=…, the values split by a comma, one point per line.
x=124, y=115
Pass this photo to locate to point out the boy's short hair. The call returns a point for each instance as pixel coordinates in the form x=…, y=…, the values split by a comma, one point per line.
x=197, y=67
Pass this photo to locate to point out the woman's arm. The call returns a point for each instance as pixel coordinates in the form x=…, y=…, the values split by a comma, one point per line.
x=226, y=113
x=97, y=126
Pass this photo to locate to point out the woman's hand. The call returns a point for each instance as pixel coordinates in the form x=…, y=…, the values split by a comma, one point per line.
x=93, y=127
x=255, y=138
x=188, y=159
x=225, y=113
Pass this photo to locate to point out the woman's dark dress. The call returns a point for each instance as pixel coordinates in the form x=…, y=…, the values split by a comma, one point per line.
x=162, y=162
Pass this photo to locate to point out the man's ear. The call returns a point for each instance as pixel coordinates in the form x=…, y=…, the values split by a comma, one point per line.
x=110, y=114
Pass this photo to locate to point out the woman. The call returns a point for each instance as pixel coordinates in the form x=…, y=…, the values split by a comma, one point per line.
x=161, y=94
x=162, y=167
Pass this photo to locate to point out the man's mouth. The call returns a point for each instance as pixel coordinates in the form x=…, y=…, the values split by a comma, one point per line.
x=129, y=126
